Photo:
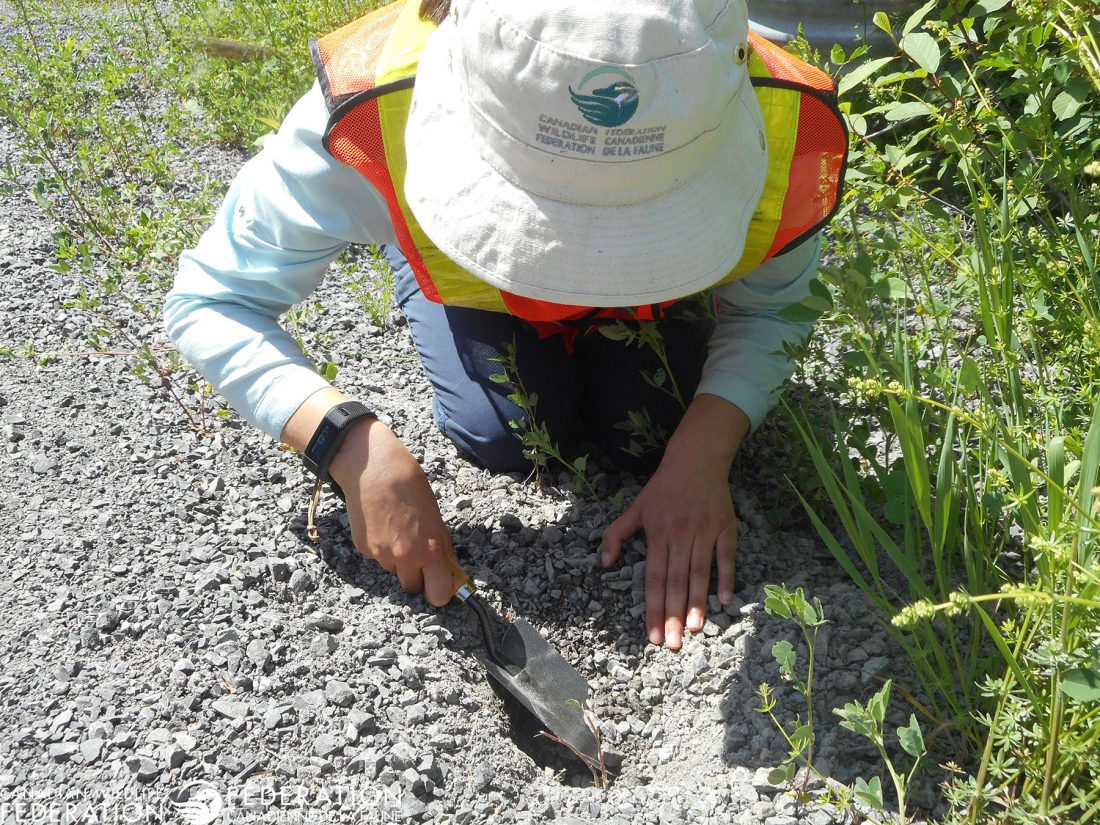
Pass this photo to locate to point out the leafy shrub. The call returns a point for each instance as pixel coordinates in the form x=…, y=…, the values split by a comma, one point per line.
x=960, y=462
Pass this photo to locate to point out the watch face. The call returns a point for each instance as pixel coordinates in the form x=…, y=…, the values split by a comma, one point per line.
x=324, y=439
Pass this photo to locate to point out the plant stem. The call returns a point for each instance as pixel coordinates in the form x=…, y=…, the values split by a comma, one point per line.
x=1057, y=697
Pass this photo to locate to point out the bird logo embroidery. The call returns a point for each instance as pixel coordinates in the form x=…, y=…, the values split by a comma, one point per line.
x=198, y=803
x=610, y=105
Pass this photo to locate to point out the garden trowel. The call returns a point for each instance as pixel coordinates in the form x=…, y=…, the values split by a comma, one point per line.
x=532, y=671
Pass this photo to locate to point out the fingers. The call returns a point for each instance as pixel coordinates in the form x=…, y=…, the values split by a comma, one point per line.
x=727, y=554
x=620, y=530
x=410, y=575
x=677, y=582
x=655, y=575
x=698, y=584
x=676, y=594
x=678, y=587
x=439, y=579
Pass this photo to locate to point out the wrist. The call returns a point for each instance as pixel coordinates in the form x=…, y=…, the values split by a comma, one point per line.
x=330, y=434
x=302, y=425
x=709, y=435
x=351, y=456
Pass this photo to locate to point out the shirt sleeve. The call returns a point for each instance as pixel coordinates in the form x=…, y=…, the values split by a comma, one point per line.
x=288, y=214
x=746, y=362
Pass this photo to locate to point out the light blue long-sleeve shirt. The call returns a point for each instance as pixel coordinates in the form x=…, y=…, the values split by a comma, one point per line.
x=291, y=211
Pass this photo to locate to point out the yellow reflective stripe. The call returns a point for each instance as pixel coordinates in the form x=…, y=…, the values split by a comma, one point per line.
x=780, y=108
x=400, y=59
x=401, y=53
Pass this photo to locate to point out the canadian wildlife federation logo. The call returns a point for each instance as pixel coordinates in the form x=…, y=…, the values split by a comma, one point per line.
x=609, y=105
x=198, y=803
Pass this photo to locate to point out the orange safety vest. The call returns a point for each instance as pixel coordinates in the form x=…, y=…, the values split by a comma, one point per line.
x=367, y=70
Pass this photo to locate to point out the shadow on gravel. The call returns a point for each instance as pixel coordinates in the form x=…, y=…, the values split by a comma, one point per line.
x=667, y=714
x=464, y=640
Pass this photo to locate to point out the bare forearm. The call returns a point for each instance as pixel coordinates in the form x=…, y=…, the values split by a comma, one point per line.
x=709, y=434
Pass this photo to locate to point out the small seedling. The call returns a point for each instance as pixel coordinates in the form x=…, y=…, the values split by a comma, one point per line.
x=809, y=615
x=868, y=720
x=645, y=434
x=374, y=290
x=538, y=447
x=646, y=334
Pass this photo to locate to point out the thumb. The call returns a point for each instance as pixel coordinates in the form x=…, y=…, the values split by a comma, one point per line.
x=620, y=530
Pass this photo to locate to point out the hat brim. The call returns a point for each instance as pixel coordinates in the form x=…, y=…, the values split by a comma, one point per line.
x=661, y=249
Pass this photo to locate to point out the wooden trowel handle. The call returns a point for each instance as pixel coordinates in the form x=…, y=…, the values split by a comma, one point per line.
x=462, y=586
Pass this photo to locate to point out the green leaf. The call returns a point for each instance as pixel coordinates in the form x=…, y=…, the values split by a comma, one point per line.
x=987, y=7
x=860, y=73
x=970, y=376
x=857, y=720
x=785, y=657
x=1082, y=684
x=917, y=17
x=869, y=793
x=616, y=332
x=776, y=601
x=897, y=510
x=781, y=775
x=802, y=736
x=883, y=22
x=799, y=314
x=923, y=49
x=912, y=742
x=580, y=464
x=498, y=378
x=821, y=303
x=855, y=358
x=891, y=289
x=1090, y=469
x=905, y=111
x=1070, y=100
x=876, y=707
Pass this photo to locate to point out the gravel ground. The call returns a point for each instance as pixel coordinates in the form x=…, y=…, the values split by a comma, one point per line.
x=167, y=621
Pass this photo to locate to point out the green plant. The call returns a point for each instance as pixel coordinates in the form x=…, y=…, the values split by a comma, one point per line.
x=102, y=171
x=953, y=471
x=646, y=435
x=647, y=334
x=532, y=433
x=809, y=616
x=374, y=289
x=868, y=721
x=244, y=63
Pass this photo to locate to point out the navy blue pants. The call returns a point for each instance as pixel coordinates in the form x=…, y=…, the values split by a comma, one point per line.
x=586, y=395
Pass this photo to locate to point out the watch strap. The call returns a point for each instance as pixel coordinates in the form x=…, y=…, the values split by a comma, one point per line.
x=330, y=434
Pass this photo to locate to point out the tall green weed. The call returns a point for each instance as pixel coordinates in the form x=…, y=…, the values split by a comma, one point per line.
x=960, y=461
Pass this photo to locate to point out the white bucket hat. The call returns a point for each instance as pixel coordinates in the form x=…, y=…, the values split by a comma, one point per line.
x=585, y=152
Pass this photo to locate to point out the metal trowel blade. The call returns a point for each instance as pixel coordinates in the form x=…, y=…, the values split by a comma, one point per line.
x=544, y=683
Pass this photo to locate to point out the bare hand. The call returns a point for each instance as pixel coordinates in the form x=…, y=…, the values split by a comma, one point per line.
x=687, y=515
x=393, y=511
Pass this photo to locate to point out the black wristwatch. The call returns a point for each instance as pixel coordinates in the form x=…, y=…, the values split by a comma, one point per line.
x=330, y=434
